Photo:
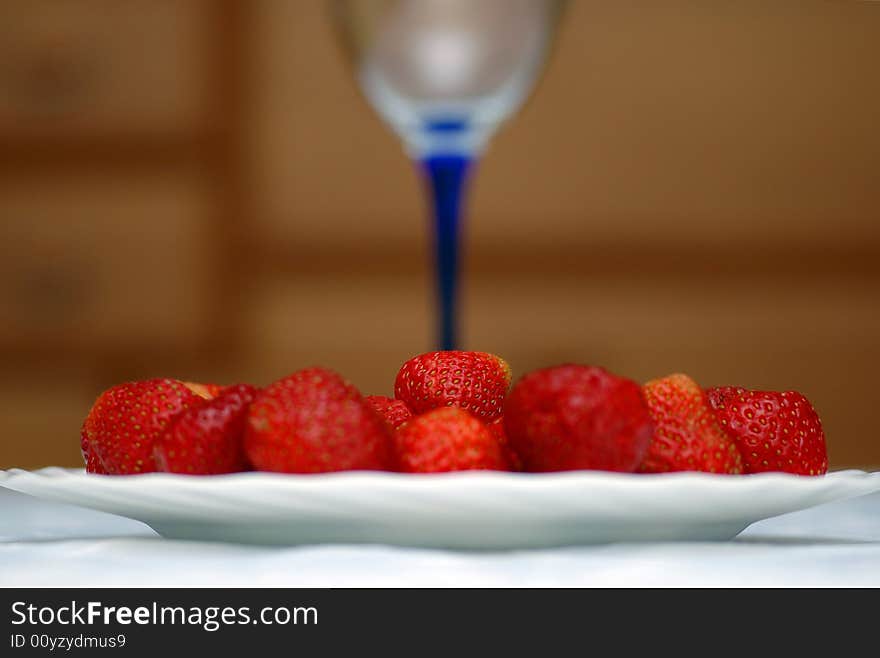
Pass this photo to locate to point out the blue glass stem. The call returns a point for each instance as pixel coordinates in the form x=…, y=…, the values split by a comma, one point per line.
x=447, y=175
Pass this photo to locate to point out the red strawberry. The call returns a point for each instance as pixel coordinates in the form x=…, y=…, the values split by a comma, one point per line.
x=686, y=435
x=314, y=421
x=474, y=381
x=577, y=417
x=773, y=431
x=208, y=438
x=448, y=440
x=207, y=391
x=394, y=411
x=497, y=428
x=119, y=432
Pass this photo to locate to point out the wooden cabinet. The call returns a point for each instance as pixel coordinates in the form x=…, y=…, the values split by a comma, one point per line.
x=197, y=189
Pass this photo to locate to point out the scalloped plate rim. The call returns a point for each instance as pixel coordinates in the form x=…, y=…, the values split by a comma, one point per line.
x=472, y=509
x=475, y=475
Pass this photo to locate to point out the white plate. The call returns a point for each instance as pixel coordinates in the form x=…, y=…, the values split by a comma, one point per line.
x=477, y=510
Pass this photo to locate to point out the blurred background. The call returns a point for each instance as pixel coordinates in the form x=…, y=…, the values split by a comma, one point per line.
x=198, y=190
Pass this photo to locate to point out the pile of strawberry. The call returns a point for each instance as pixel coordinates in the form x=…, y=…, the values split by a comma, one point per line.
x=452, y=411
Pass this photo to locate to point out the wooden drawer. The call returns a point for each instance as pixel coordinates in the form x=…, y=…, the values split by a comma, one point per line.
x=103, y=262
x=819, y=336
x=672, y=123
x=659, y=124
x=87, y=66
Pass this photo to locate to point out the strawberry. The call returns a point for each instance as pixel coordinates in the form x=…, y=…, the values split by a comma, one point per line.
x=577, y=417
x=394, y=411
x=207, y=391
x=207, y=438
x=686, y=435
x=497, y=428
x=119, y=432
x=773, y=431
x=474, y=381
x=448, y=440
x=314, y=421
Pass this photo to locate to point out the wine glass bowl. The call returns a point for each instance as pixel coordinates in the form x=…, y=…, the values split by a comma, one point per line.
x=444, y=74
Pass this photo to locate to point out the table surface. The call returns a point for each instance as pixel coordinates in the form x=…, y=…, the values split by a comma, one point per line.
x=46, y=544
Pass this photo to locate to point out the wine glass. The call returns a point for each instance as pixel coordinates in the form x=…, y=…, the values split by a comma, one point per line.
x=444, y=75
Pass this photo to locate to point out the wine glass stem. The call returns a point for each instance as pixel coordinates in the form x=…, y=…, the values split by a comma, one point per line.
x=447, y=175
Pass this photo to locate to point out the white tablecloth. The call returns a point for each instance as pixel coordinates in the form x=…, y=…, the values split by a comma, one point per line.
x=50, y=545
